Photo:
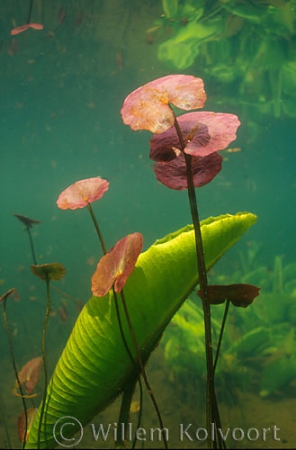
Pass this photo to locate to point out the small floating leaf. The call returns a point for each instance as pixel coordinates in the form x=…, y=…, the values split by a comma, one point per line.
x=147, y=108
x=79, y=194
x=27, y=220
x=117, y=265
x=52, y=271
x=21, y=423
x=29, y=375
x=239, y=294
x=173, y=174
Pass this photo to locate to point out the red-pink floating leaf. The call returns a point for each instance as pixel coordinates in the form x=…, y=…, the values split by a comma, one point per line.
x=221, y=127
x=21, y=423
x=36, y=26
x=148, y=107
x=20, y=29
x=29, y=374
x=79, y=194
x=203, y=133
x=116, y=266
x=239, y=294
x=166, y=146
x=173, y=173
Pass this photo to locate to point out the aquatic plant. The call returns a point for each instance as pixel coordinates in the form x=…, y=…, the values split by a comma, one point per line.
x=88, y=375
x=95, y=366
x=265, y=338
x=29, y=24
x=3, y=299
x=29, y=375
x=83, y=193
x=47, y=272
x=238, y=44
x=29, y=223
x=199, y=135
x=112, y=272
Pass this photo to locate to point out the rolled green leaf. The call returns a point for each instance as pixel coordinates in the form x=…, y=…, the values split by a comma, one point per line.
x=94, y=367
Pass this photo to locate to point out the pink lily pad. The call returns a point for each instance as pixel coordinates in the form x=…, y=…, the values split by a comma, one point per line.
x=21, y=423
x=203, y=133
x=239, y=294
x=21, y=28
x=29, y=374
x=148, y=107
x=116, y=266
x=79, y=194
x=173, y=173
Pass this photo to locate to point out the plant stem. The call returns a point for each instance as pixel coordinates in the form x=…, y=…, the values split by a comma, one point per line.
x=211, y=402
x=31, y=245
x=47, y=312
x=94, y=219
x=142, y=368
x=221, y=332
x=127, y=396
x=134, y=363
x=15, y=368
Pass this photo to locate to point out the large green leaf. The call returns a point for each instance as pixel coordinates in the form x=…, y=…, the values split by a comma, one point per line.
x=94, y=366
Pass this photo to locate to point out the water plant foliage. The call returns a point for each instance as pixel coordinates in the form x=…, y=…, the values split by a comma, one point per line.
x=94, y=367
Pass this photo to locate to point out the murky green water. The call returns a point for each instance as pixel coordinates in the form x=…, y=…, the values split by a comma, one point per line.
x=62, y=89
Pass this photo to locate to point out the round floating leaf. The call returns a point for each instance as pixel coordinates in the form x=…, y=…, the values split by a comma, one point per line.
x=173, y=173
x=52, y=271
x=203, y=132
x=239, y=294
x=29, y=374
x=21, y=28
x=116, y=266
x=79, y=194
x=147, y=108
x=21, y=423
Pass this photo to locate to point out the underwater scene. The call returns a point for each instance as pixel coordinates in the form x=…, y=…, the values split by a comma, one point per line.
x=148, y=265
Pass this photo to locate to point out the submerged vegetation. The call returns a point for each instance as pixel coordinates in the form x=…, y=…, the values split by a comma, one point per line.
x=244, y=46
x=135, y=295
x=219, y=341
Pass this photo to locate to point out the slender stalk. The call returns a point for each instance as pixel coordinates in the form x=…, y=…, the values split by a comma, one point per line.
x=94, y=219
x=46, y=318
x=15, y=368
x=212, y=414
x=142, y=368
x=30, y=11
x=125, y=396
x=32, y=246
x=221, y=332
x=133, y=362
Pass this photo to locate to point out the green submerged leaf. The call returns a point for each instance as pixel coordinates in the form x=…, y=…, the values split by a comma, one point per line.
x=94, y=366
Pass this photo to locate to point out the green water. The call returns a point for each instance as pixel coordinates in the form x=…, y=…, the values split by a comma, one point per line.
x=62, y=89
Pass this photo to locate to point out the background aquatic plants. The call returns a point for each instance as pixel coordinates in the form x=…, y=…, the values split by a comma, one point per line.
x=94, y=366
x=241, y=44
